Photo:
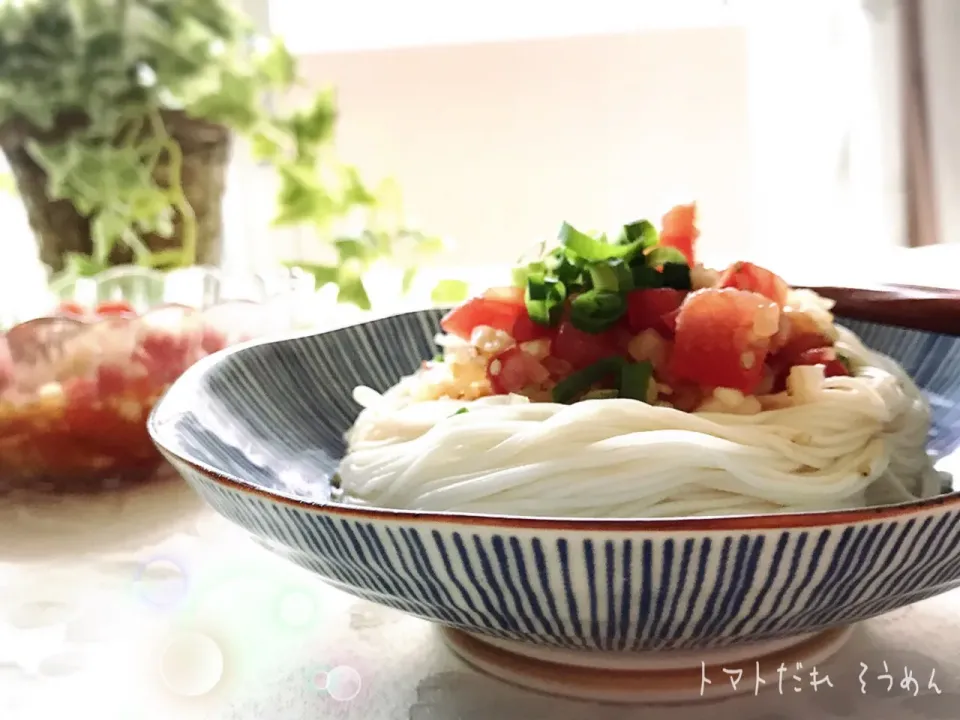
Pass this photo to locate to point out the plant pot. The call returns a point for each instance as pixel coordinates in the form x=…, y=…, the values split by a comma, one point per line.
x=59, y=229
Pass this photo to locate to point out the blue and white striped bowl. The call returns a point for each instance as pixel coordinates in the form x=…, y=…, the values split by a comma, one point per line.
x=257, y=431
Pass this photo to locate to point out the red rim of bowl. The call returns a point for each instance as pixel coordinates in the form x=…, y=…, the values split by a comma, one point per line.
x=908, y=307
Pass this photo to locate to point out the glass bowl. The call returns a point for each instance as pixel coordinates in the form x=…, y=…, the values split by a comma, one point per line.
x=78, y=380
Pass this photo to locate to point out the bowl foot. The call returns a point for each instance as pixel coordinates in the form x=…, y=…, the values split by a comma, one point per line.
x=668, y=676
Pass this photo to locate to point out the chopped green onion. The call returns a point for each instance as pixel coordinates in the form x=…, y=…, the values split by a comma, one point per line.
x=593, y=249
x=624, y=275
x=635, y=380
x=661, y=255
x=461, y=411
x=601, y=395
x=544, y=299
x=604, y=277
x=521, y=274
x=562, y=267
x=537, y=287
x=642, y=230
x=437, y=358
x=597, y=310
x=676, y=276
x=567, y=389
x=646, y=278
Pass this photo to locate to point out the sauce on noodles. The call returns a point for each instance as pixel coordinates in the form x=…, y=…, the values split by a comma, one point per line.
x=618, y=378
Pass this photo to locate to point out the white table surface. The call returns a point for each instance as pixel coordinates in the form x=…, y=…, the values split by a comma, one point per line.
x=95, y=593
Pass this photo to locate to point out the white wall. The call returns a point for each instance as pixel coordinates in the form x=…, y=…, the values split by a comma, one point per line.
x=495, y=144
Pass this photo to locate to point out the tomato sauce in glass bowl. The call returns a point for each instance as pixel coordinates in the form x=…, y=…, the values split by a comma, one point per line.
x=77, y=385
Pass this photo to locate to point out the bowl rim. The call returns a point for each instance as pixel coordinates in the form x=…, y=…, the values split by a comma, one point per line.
x=691, y=524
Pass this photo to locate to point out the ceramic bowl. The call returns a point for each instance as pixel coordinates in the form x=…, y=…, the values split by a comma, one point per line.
x=79, y=377
x=608, y=609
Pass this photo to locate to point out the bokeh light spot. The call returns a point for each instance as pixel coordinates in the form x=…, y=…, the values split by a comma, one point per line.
x=192, y=665
x=161, y=582
x=343, y=683
x=297, y=609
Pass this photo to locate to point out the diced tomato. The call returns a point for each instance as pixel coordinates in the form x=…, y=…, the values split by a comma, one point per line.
x=81, y=392
x=670, y=322
x=580, y=348
x=69, y=307
x=720, y=341
x=212, y=340
x=679, y=230
x=647, y=309
x=513, y=370
x=747, y=276
x=797, y=345
x=815, y=355
x=115, y=307
x=826, y=356
x=524, y=329
x=496, y=313
x=111, y=380
x=163, y=355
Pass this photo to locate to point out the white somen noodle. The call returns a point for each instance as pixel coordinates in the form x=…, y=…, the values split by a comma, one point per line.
x=849, y=442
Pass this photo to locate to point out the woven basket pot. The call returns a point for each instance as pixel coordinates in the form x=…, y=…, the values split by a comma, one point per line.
x=59, y=229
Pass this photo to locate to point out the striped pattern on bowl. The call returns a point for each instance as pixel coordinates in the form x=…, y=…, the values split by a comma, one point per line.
x=258, y=431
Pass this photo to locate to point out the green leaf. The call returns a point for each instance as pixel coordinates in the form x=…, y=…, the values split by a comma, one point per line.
x=353, y=292
x=106, y=230
x=409, y=275
x=79, y=265
x=446, y=292
x=314, y=125
x=300, y=197
x=164, y=259
x=356, y=193
x=323, y=274
x=278, y=66
x=263, y=146
x=429, y=245
x=352, y=249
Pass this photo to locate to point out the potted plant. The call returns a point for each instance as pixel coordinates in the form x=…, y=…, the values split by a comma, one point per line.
x=117, y=116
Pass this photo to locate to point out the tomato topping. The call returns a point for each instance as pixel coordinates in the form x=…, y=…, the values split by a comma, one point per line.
x=164, y=355
x=670, y=322
x=826, y=356
x=680, y=231
x=462, y=320
x=747, y=276
x=524, y=329
x=647, y=309
x=580, y=348
x=115, y=307
x=513, y=370
x=722, y=338
x=797, y=345
x=212, y=340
